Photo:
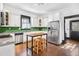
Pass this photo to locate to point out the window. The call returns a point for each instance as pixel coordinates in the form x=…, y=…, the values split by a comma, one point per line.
x=25, y=22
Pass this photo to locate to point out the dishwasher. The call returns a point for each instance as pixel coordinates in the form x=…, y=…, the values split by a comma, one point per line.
x=7, y=45
x=18, y=38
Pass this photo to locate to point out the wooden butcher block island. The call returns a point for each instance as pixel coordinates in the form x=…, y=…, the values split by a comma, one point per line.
x=38, y=43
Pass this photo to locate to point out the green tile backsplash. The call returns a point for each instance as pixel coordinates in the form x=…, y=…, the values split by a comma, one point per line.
x=8, y=29
x=39, y=28
x=16, y=29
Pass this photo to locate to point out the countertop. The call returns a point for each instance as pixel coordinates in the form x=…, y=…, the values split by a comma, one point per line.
x=1, y=34
x=5, y=39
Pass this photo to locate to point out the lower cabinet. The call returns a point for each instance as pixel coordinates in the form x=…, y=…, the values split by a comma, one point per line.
x=18, y=38
x=7, y=50
x=7, y=45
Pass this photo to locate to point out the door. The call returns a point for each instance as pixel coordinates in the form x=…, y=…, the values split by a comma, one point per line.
x=74, y=29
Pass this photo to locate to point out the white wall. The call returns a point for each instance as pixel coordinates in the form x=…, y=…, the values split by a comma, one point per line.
x=15, y=13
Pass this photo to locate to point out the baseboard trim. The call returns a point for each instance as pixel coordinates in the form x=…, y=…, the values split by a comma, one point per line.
x=54, y=44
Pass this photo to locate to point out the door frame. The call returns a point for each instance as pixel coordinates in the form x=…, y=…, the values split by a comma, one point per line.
x=68, y=17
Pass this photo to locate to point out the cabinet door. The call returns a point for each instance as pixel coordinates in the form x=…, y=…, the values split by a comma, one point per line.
x=16, y=38
x=7, y=50
x=0, y=18
x=19, y=38
x=35, y=22
x=4, y=17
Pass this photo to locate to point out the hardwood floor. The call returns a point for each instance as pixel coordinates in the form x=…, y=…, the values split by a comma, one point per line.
x=70, y=48
x=20, y=49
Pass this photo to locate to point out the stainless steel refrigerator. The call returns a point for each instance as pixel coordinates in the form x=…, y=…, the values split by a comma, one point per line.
x=53, y=32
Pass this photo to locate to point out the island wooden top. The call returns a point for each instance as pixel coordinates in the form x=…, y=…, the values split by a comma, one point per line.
x=36, y=34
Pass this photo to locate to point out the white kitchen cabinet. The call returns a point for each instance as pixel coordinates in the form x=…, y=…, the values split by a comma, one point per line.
x=18, y=37
x=0, y=18
x=7, y=50
x=45, y=22
x=7, y=45
x=34, y=22
x=4, y=18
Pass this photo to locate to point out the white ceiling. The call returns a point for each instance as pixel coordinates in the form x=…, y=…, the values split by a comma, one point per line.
x=39, y=8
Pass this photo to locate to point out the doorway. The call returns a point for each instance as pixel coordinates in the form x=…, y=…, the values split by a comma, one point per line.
x=71, y=26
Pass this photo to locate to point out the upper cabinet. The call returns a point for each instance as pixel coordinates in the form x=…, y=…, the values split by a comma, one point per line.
x=34, y=22
x=4, y=18
x=39, y=21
